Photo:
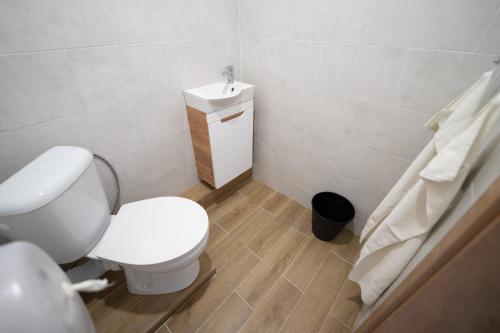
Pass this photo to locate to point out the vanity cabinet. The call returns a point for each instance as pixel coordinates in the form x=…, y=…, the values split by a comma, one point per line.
x=222, y=142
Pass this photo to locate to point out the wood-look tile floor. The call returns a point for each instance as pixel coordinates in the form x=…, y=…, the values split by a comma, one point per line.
x=273, y=275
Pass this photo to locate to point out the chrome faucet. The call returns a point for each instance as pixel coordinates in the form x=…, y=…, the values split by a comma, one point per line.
x=228, y=74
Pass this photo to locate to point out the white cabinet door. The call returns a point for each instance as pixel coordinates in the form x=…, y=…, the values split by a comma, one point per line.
x=231, y=144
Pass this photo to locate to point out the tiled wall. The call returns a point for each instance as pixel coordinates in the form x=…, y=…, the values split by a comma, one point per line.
x=344, y=87
x=108, y=75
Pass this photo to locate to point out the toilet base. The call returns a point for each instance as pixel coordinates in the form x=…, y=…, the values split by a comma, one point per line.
x=153, y=283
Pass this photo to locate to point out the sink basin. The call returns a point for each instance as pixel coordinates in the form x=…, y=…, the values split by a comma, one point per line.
x=213, y=97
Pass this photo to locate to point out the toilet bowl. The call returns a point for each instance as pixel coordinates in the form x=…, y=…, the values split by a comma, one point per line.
x=157, y=242
x=58, y=203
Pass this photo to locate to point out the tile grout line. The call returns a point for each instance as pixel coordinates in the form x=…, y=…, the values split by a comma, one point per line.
x=213, y=313
x=227, y=232
x=249, y=249
x=244, y=300
x=326, y=42
x=329, y=93
x=302, y=296
x=117, y=44
x=330, y=311
x=92, y=110
x=344, y=259
x=293, y=284
x=486, y=28
x=340, y=321
x=267, y=293
x=189, y=299
x=206, y=283
x=93, y=307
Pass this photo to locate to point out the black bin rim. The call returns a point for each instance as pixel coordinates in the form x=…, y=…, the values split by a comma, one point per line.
x=323, y=199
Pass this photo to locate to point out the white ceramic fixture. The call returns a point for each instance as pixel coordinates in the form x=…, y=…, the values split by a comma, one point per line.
x=213, y=97
x=33, y=297
x=58, y=203
x=228, y=113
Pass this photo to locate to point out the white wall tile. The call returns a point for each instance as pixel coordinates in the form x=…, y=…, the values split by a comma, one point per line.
x=316, y=111
x=225, y=52
x=190, y=173
x=266, y=102
x=143, y=21
x=28, y=25
x=105, y=132
x=341, y=157
x=141, y=165
x=189, y=64
x=277, y=19
x=35, y=88
x=109, y=75
x=381, y=171
x=432, y=78
x=368, y=200
x=445, y=24
x=115, y=83
x=174, y=183
x=274, y=181
x=18, y=148
x=391, y=130
x=150, y=20
x=364, y=71
x=280, y=61
x=490, y=42
x=341, y=20
x=267, y=157
x=216, y=18
x=151, y=189
x=162, y=115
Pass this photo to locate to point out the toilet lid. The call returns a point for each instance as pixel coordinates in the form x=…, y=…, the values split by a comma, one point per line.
x=153, y=231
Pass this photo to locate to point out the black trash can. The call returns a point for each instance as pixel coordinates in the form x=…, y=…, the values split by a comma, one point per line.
x=330, y=214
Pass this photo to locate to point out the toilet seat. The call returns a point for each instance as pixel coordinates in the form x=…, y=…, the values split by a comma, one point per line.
x=155, y=231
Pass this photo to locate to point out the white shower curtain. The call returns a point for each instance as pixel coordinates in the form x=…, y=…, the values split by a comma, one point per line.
x=400, y=224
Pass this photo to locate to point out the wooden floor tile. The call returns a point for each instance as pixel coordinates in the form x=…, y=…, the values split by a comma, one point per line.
x=96, y=299
x=250, y=188
x=276, y=203
x=265, y=274
x=309, y=314
x=246, y=208
x=263, y=241
x=307, y=263
x=272, y=275
x=216, y=234
x=348, y=303
x=218, y=210
x=332, y=325
x=197, y=192
x=113, y=309
x=229, y=317
x=162, y=329
x=229, y=245
x=151, y=311
x=304, y=224
x=272, y=312
x=347, y=245
x=204, y=303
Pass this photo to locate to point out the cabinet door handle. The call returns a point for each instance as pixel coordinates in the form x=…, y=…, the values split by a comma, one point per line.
x=228, y=118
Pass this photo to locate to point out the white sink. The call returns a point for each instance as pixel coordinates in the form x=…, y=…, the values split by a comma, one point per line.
x=213, y=97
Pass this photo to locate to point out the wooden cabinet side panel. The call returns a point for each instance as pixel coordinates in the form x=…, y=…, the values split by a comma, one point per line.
x=201, y=144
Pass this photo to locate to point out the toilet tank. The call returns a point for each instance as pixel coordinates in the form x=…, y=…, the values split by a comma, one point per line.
x=56, y=202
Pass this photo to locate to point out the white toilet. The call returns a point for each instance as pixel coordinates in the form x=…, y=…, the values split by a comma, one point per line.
x=58, y=202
